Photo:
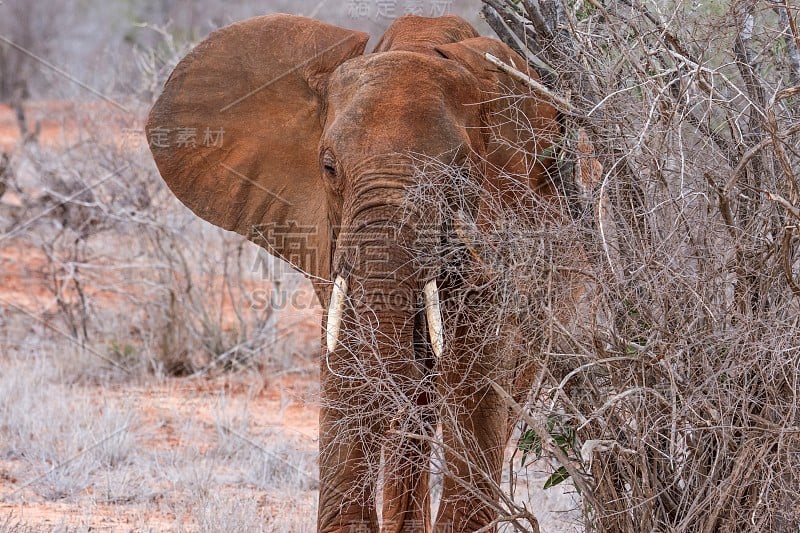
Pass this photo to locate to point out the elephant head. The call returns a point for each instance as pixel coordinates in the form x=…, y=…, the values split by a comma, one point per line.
x=306, y=146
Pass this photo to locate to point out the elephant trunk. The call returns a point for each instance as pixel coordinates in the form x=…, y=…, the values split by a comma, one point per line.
x=378, y=269
x=382, y=293
x=377, y=352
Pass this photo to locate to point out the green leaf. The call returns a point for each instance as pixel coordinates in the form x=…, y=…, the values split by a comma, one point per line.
x=545, y=154
x=566, y=440
x=556, y=477
x=529, y=442
x=630, y=308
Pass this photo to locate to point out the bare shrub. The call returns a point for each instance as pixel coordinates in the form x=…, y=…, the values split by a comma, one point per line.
x=670, y=399
x=28, y=31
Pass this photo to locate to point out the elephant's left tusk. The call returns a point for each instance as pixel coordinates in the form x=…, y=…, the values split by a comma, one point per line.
x=433, y=312
x=335, y=311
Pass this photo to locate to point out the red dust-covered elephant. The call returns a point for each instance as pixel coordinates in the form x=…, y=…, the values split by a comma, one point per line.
x=313, y=147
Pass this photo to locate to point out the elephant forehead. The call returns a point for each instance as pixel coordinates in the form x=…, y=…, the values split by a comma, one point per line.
x=407, y=78
x=401, y=102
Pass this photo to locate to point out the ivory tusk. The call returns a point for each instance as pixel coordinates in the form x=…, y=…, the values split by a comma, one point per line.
x=433, y=313
x=335, y=311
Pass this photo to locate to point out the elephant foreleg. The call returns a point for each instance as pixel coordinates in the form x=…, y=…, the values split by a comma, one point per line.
x=474, y=420
x=348, y=461
x=406, y=498
x=347, y=481
x=473, y=439
x=406, y=494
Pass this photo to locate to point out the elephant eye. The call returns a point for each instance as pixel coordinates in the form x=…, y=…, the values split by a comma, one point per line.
x=329, y=164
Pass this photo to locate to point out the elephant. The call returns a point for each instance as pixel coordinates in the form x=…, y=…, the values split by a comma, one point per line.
x=318, y=146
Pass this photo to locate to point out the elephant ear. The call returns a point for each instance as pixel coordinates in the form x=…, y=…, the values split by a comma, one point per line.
x=235, y=132
x=520, y=128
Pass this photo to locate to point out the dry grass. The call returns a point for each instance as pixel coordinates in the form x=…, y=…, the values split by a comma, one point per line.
x=176, y=456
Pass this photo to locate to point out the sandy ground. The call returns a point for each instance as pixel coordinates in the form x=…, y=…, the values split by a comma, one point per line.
x=185, y=419
x=225, y=451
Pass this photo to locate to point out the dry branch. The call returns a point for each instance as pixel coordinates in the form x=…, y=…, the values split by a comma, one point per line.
x=560, y=103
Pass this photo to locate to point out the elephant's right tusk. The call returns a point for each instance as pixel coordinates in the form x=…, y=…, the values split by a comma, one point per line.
x=335, y=311
x=433, y=312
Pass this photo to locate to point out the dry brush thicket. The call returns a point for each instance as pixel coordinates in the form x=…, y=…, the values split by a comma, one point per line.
x=101, y=256
x=655, y=325
x=670, y=397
